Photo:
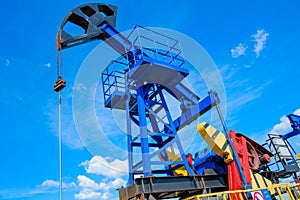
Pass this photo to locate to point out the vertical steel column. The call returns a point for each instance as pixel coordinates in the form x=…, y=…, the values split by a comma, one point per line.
x=129, y=133
x=143, y=132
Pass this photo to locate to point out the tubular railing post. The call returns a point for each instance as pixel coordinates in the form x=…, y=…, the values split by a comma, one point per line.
x=236, y=159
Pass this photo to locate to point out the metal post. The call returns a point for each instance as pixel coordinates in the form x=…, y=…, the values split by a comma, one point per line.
x=143, y=133
x=236, y=159
x=129, y=134
x=173, y=129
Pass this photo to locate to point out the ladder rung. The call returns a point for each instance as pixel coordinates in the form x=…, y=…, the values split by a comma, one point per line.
x=280, y=145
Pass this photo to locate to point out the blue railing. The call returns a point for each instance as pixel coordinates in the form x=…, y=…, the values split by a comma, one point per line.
x=157, y=46
x=145, y=43
x=113, y=77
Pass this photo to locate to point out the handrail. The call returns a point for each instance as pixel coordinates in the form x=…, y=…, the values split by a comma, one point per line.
x=281, y=191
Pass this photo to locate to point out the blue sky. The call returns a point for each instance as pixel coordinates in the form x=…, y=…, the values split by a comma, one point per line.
x=254, y=45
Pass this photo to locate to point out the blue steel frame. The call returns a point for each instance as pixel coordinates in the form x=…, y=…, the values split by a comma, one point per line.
x=157, y=141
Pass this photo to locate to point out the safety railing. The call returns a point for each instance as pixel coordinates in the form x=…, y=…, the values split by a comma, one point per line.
x=285, y=165
x=146, y=43
x=113, y=78
x=156, y=46
x=282, y=191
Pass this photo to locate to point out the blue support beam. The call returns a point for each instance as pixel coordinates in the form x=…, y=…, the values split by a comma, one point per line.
x=143, y=133
x=151, y=103
x=295, y=124
x=116, y=40
x=173, y=130
x=195, y=111
x=291, y=134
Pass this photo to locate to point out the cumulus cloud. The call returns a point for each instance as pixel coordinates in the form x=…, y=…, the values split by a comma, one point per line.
x=86, y=182
x=112, y=170
x=239, y=50
x=101, y=166
x=92, y=190
x=284, y=126
x=88, y=194
x=106, y=196
x=260, y=39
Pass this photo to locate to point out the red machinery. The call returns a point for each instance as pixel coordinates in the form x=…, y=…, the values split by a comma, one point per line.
x=251, y=156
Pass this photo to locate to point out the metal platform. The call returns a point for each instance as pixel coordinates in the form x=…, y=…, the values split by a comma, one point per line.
x=147, y=71
x=155, y=71
x=172, y=187
x=147, y=60
x=118, y=100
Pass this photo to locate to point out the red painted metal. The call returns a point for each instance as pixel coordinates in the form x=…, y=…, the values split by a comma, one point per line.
x=234, y=179
x=189, y=159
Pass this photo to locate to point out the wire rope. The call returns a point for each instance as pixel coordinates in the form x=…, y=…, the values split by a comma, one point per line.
x=59, y=76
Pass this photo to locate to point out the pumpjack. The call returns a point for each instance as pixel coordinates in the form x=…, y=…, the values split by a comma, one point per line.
x=149, y=68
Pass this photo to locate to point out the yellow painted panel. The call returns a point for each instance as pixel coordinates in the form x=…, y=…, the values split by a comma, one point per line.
x=215, y=140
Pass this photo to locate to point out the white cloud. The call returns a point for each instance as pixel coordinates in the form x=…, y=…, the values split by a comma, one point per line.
x=245, y=96
x=111, y=170
x=79, y=86
x=4, y=61
x=260, y=39
x=86, y=182
x=7, y=62
x=85, y=194
x=228, y=72
x=55, y=184
x=50, y=183
x=239, y=91
x=47, y=187
x=239, y=50
x=284, y=126
x=48, y=65
x=23, y=193
x=106, y=196
x=118, y=182
x=100, y=166
x=92, y=190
